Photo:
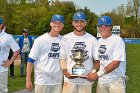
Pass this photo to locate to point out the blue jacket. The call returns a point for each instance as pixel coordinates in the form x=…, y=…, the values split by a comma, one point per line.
x=21, y=39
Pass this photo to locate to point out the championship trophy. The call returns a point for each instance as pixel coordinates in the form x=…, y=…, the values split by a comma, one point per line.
x=79, y=56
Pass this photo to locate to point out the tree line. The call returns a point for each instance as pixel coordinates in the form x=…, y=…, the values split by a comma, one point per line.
x=36, y=17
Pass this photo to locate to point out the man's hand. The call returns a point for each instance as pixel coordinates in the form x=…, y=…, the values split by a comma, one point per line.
x=29, y=85
x=92, y=76
x=6, y=63
x=68, y=75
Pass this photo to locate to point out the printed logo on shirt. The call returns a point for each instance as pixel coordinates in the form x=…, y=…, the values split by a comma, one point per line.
x=79, y=45
x=54, y=51
x=102, y=55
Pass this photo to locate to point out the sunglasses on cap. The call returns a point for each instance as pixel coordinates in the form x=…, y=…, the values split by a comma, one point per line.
x=25, y=32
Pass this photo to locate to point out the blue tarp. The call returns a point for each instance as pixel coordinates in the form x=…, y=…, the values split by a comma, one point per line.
x=16, y=36
x=126, y=40
x=132, y=40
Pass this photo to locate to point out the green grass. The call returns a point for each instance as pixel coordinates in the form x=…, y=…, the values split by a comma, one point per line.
x=132, y=71
x=133, y=68
x=18, y=83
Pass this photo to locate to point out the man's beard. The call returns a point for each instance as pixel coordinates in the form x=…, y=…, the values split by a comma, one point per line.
x=79, y=30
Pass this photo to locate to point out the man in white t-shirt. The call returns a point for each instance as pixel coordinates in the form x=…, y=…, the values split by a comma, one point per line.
x=112, y=57
x=77, y=40
x=44, y=55
x=6, y=42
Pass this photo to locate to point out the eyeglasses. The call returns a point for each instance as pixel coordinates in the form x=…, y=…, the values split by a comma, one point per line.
x=104, y=25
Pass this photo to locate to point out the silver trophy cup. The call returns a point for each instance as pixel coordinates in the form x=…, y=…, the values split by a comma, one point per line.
x=78, y=57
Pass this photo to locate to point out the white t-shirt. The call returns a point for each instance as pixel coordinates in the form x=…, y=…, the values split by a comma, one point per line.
x=112, y=48
x=26, y=45
x=89, y=43
x=45, y=52
x=6, y=42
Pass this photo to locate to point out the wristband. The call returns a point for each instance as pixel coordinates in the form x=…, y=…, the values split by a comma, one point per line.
x=93, y=71
x=101, y=72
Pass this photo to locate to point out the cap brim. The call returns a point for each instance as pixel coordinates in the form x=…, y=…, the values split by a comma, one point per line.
x=105, y=24
x=79, y=19
x=57, y=20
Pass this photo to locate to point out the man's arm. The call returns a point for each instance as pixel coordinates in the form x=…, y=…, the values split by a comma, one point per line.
x=14, y=56
x=29, y=68
x=8, y=62
x=63, y=66
x=90, y=76
x=112, y=66
x=109, y=68
x=96, y=66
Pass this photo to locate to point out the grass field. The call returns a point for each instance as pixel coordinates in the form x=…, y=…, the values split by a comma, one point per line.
x=133, y=68
x=133, y=72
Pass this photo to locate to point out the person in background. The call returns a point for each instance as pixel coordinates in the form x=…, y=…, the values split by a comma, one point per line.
x=12, y=65
x=7, y=42
x=44, y=56
x=25, y=43
x=112, y=58
x=77, y=40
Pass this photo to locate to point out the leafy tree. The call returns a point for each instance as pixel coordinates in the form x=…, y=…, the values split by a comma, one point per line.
x=128, y=17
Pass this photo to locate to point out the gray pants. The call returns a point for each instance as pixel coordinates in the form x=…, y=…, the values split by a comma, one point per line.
x=3, y=82
x=116, y=86
x=48, y=88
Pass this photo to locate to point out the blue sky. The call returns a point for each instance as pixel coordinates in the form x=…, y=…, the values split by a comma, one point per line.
x=99, y=6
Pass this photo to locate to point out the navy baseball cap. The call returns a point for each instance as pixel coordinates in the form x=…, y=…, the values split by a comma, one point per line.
x=104, y=20
x=57, y=17
x=0, y=20
x=79, y=16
